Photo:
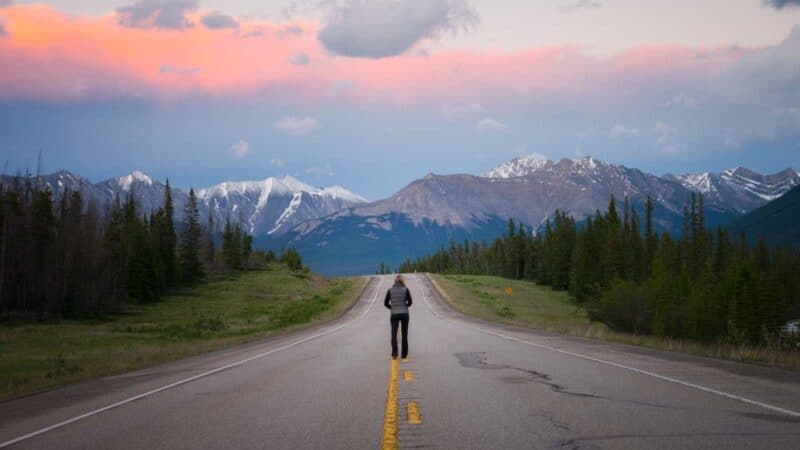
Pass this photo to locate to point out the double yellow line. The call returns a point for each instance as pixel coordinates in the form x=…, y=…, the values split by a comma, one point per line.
x=390, y=418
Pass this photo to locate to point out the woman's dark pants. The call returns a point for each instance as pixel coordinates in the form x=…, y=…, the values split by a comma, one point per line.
x=399, y=319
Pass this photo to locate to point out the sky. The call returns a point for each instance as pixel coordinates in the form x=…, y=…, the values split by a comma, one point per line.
x=371, y=95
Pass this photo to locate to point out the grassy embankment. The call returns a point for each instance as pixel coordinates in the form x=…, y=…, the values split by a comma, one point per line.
x=539, y=307
x=221, y=313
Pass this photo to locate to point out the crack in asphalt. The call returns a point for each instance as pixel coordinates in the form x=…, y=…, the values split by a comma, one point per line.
x=477, y=360
x=554, y=422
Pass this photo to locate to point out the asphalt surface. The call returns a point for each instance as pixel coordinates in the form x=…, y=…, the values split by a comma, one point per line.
x=475, y=384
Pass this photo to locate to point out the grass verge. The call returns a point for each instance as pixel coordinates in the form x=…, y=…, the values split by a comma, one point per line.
x=541, y=308
x=221, y=313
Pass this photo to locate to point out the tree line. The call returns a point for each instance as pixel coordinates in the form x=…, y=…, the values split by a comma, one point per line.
x=70, y=257
x=704, y=285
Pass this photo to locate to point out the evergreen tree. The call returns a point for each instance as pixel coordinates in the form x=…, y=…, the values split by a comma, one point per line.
x=167, y=238
x=208, y=241
x=650, y=238
x=191, y=269
x=704, y=286
x=236, y=248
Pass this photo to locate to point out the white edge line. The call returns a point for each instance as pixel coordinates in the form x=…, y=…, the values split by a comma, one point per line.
x=190, y=379
x=621, y=366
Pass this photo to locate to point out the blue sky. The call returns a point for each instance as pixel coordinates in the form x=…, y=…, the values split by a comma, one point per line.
x=332, y=93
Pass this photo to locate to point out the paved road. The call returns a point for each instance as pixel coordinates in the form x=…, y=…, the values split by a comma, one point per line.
x=475, y=385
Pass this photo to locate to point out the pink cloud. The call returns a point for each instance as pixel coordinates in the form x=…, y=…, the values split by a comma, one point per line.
x=50, y=56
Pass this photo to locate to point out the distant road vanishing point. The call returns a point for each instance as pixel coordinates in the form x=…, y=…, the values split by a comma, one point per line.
x=468, y=384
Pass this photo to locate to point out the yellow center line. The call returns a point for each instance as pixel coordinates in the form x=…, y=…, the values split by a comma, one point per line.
x=389, y=441
x=413, y=413
x=408, y=375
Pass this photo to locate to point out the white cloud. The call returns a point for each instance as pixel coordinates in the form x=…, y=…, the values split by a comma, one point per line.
x=666, y=137
x=683, y=100
x=382, y=28
x=620, y=130
x=462, y=111
x=276, y=162
x=239, y=149
x=490, y=124
x=296, y=126
x=732, y=142
x=316, y=170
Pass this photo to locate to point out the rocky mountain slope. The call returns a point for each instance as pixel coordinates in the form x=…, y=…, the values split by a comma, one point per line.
x=430, y=211
x=740, y=188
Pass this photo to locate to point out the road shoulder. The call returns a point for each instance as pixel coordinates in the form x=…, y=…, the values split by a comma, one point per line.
x=779, y=387
x=25, y=414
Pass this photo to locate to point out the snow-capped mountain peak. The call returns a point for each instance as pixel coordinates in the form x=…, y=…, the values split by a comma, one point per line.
x=274, y=205
x=292, y=184
x=336, y=191
x=699, y=182
x=272, y=185
x=536, y=163
x=268, y=206
x=518, y=167
x=745, y=187
x=128, y=180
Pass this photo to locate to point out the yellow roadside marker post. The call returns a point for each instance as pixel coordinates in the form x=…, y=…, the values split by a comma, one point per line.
x=508, y=291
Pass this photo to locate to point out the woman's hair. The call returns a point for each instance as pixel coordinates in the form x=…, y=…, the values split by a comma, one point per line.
x=399, y=280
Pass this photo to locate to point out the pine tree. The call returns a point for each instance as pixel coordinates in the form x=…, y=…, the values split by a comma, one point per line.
x=167, y=238
x=236, y=248
x=42, y=233
x=247, y=249
x=650, y=238
x=191, y=269
x=227, y=244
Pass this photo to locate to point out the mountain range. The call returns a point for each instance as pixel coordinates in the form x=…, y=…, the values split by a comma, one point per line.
x=269, y=207
x=430, y=211
x=339, y=232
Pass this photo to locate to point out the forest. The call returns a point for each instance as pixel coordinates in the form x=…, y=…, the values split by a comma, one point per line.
x=704, y=285
x=69, y=257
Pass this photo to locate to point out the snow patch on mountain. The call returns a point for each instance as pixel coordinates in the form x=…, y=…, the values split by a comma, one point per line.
x=518, y=167
x=269, y=206
x=288, y=212
x=743, y=183
x=128, y=180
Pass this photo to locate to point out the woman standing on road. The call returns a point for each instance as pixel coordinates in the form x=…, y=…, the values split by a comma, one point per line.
x=398, y=299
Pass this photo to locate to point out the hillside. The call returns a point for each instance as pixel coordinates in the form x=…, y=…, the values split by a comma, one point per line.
x=778, y=221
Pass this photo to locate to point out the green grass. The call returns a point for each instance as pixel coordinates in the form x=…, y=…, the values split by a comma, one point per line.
x=541, y=308
x=532, y=306
x=221, y=313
